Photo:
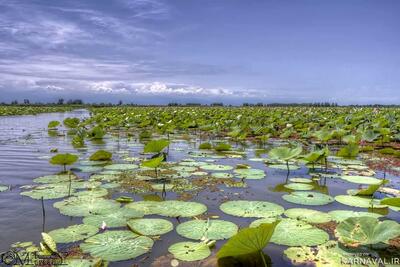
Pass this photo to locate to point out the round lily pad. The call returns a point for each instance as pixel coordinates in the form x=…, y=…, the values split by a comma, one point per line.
x=121, y=167
x=361, y=179
x=283, y=167
x=222, y=175
x=55, y=178
x=360, y=202
x=89, y=169
x=300, y=180
x=95, y=192
x=341, y=215
x=190, y=251
x=73, y=233
x=216, y=167
x=256, y=209
x=116, y=218
x=117, y=245
x=150, y=226
x=86, y=206
x=308, y=198
x=252, y=174
x=209, y=229
x=48, y=192
x=299, y=186
x=292, y=232
x=308, y=215
x=170, y=208
x=161, y=187
x=184, y=168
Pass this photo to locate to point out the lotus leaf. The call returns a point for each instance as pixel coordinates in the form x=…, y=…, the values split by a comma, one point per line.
x=361, y=179
x=121, y=167
x=308, y=198
x=117, y=245
x=341, y=215
x=249, y=173
x=222, y=175
x=256, y=209
x=73, y=233
x=155, y=146
x=190, y=251
x=292, y=232
x=115, y=218
x=300, y=180
x=299, y=186
x=258, y=222
x=360, y=202
x=216, y=167
x=308, y=215
x=48, y=192
x=153, y=163
x=56, y=178
x=358, y=231
x=101, y=155
x=208, y=229
x=3, y=188
x=169, y=208
x=77, y=206
x=150, y=226
x=285, y=153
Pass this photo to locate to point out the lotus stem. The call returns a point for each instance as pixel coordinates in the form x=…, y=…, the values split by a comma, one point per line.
x=263, y=259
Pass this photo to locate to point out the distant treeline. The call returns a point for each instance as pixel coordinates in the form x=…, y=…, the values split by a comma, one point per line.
x=79, y=102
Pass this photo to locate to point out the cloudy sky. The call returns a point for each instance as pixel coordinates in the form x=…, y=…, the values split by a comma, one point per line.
x=158, y=51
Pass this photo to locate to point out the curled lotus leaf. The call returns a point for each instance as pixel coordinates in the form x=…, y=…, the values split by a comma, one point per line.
x=292, y=232
x=308, y=198
x=256, y=209
x=150, y=226
x=73, y=233
x=117, y=245
x=208, y=229
x=308, y=215
x=190, y=251
x=358, y=231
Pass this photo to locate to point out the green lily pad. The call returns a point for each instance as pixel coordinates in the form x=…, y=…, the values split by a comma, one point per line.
x=150, y=226
x=121, y=167
x=209, y=229
x=161, y=187
x=95, y=192
x=308, y=198
x=81, y=262
x=252, y=174
x=256, y=209
x=283, y=167
x=330, y=254
x=292, y=232
x=341, y=215
x=48, y=192
x=76, y=206
x=89, y=169
x=169, y=208
x=360, y=202
x=299, y=186
x=184, y=168
x=366, y=231
x=117, y=245
x=300, y=180
x=361, y=179
x=73, y=233
x=116, y=218
x=308, y=215
x=55, y=178
x=216, y=167
x=190, y=251
x=222, y=175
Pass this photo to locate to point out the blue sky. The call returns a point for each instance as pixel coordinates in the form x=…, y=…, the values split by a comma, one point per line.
x=234, y=51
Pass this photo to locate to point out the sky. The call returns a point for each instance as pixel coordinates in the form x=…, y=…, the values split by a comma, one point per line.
x=203, y=51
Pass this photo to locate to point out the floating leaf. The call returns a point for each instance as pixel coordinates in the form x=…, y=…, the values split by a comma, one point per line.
x=308, y=198
x=360, y=202
x=76, y=206
x=308, y=215
x=341, y=215
x=249, y=173
x=292, y=232
x=117, y=245
x=361, y=179
x=208, y=229
x=256, y=209
x=299, y=186
x=358, y=231
x=49, y=242
x=101, y=155
x=150, y=226
x=73, y=233
x=190, y=251
x=115, y=218
x=121, y=167
x=170, y=208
